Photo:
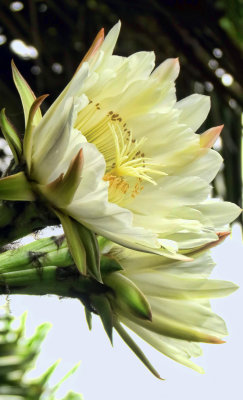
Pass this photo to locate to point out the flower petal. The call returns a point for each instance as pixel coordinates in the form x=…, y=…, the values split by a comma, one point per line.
x=166, y=285
x=177, y=350
x=110, y=40
x=53, y=145
x=184, y=319
x=209, y=137
x=194, y=110
x=220, y=213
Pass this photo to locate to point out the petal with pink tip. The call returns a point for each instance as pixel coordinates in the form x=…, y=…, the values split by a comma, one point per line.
x=209, y=137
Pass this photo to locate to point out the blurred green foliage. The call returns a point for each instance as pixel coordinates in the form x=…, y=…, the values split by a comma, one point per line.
x=18, y=356
x=206, y=35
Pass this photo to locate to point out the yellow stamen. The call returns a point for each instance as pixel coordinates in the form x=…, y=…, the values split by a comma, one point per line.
x=129, y=160
x=126, y=164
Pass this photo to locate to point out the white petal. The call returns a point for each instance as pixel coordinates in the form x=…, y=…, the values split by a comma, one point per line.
x=136, y=262
x=55, y=143
x=110, y=39
x=190, y=314
x=141, y=64
x=184, y=319
x=168, y=70
x=194, y=110
x=220, y=213
x=167, y=226
x=118, y=74
x=189, y=240
x=205, y=166
x=171, y=191
x=178, y=350
x=138, y=98
x=165, y=285
x=90, y=206
x=45, y=133
x=200, y=267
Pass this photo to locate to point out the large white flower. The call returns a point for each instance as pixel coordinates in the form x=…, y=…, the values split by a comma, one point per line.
x=178, y=294
x=119, y=154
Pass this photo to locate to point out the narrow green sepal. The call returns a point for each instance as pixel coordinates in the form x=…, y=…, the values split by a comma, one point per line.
x=88, y=316
x=92, y=251
x=26, y=94
x=103, y=308
x=135, y=348
x=31, y=123
x=128, y=296
x=74, y=240
x=109, y=264
x=11, y=136
x=16, y=188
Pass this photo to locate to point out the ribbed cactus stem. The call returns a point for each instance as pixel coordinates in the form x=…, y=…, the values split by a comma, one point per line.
x=45, y=267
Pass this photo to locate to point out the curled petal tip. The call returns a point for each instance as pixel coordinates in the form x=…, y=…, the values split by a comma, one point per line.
x=223, y=234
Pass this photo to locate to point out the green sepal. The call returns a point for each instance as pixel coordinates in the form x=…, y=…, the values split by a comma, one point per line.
x=26, y=94
x=11, y=136
x=88, y=316
x=128, y=296
x=92, y=251
x=16, y=188
x=103, y=308
x=74, y=240
x=135, y=348
x=109, y=264
x=31, y=123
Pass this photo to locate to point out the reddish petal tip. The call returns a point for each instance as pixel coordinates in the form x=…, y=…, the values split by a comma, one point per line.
x=208, y=138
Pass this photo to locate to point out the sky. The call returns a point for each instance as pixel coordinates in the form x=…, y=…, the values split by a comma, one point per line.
x=115, y=373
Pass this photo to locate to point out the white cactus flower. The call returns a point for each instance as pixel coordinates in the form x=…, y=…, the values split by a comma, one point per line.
x=117, y=153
